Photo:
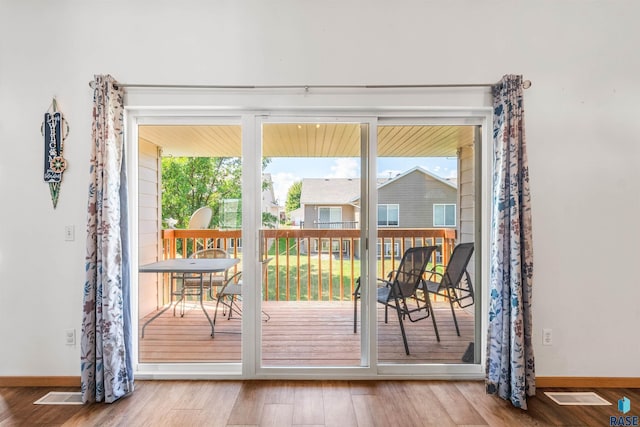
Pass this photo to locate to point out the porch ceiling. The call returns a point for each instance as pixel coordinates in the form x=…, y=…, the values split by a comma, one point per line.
x=309, y=140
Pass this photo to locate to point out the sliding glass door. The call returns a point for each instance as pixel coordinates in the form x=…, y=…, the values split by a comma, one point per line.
x=320, y=211
x=425, y=199
x=311, y=249
x=189, y=206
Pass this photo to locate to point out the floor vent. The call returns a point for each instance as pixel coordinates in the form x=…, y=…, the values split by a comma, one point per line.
x=60, y=398
x=587, y=398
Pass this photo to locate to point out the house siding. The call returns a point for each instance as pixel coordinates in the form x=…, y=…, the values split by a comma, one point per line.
x=466, y=209
x=416, y=193
x=149, y=224
x=310, y=216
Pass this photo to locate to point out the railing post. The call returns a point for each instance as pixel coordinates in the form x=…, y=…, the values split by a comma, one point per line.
x=340, y=243
x=353, y=264
x=287, y=281
x=277, y=251
x=320, y=269
x=330, y=269
x=308, y=268
x=298, y=265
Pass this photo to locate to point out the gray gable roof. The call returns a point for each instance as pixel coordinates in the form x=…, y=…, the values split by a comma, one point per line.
x=329, y=191
x=424, y=171
x=342, y=191
x=398, y=177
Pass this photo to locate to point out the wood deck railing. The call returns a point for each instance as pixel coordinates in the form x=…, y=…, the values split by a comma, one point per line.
x=313, y=264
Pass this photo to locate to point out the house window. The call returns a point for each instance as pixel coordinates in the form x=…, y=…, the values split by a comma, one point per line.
x=235, y=242
x=388, y=215
x=388, y=251
x=330, y=217
x=444, y=215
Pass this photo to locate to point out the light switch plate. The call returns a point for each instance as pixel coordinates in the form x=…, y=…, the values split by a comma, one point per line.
x=69, y=233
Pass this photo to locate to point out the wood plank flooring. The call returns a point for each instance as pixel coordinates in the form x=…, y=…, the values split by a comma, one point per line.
x=307, y=403
x=304, y=334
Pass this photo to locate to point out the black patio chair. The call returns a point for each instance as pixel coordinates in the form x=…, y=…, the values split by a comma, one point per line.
x=402, y=291
x=455, y=283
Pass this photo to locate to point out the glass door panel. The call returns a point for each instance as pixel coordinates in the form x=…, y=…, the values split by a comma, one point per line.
x=310, y=236
x=425, y=196
x=189, y=193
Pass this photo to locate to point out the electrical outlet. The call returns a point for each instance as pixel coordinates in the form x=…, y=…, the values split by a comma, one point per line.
x=70, y=336
x=547, y=337
x=69, y=233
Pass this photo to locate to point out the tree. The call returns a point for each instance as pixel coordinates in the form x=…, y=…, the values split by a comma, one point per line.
x=293, y=196
x=269, y=220
x=189, y=183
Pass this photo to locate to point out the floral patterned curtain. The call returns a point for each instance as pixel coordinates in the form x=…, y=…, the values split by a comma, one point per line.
x=510, y=370
x=106, y=364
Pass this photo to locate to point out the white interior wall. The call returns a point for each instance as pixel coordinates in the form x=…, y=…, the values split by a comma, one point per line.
x=581, y=129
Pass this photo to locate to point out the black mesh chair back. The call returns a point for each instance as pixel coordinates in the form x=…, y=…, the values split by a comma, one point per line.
x=400, y=292
x=455, y=283
x=410, y=272
x=457, y=264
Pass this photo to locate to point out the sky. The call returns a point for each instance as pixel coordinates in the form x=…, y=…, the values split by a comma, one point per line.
x=286, y=170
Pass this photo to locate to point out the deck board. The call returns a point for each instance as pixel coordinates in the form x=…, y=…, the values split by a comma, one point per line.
x=304, y=334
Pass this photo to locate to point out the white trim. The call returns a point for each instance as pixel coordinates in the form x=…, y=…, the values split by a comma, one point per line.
x=131, y=146
x=368, y=299
x=367, y=370
x=133, y=119
x=190, y=371
x=251, y=221
x=482, y=251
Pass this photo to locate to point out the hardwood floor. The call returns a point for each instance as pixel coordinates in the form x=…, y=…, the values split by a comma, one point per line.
x=284, y=403
x=305, y=334
x=306, y=403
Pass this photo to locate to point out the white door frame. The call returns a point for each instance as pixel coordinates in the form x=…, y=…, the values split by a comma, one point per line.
x=177, y=113
x=368, y=341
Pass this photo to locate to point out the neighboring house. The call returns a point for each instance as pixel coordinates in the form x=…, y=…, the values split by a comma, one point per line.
x=413, y=199
x=329, y=202
x=269, y=203
x=417, y=199
x=297, y=217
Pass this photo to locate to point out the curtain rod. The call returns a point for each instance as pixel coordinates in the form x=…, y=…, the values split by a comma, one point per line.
x=526, y=84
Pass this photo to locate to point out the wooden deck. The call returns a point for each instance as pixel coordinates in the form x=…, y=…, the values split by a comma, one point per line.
x=304, y=334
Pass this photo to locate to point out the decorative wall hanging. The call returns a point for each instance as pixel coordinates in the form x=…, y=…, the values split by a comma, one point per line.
x=54, y=162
